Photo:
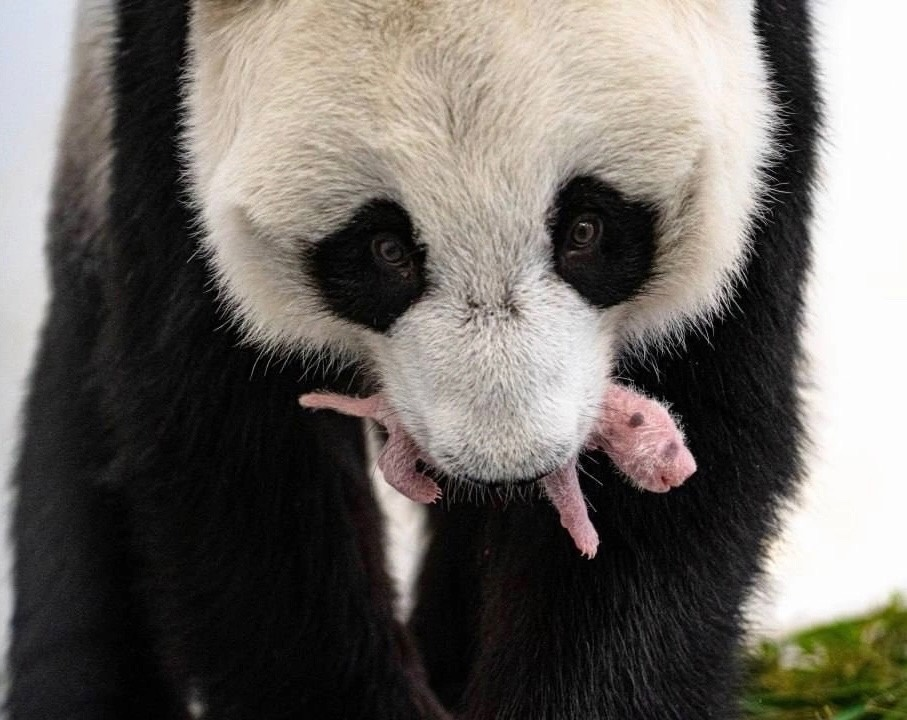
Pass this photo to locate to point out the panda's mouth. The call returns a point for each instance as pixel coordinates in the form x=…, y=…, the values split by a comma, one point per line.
x=444, y=478
x=637, y=433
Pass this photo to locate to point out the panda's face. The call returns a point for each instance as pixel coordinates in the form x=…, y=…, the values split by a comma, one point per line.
x=481, y=202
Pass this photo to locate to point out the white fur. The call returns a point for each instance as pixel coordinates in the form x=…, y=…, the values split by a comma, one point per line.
x=471, y=115
x=83, y=165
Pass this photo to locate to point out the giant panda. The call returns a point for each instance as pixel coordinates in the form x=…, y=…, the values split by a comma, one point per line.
x=485, y=210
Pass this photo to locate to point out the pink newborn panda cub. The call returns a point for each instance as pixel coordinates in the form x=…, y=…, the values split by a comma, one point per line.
x=636, y=432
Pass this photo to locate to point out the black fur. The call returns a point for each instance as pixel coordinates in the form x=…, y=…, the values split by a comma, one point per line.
x=182, y=524
x=615, y=267
x=355, y=281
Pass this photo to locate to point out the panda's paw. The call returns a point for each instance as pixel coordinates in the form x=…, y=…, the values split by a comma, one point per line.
x=563, y=490
x=585, y=538
x=420, y=488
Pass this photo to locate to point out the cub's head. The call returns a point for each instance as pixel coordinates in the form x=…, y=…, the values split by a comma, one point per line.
x=482, y=203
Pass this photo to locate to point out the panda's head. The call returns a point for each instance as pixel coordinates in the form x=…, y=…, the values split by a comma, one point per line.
x=483, y=203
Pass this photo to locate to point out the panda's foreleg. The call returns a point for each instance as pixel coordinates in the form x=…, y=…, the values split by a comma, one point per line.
x=79, y=647
x=262, y=553
x=261, y=565
x=445, y=619
x=639, y=633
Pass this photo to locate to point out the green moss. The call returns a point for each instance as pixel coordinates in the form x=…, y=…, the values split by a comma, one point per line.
x=849, y=670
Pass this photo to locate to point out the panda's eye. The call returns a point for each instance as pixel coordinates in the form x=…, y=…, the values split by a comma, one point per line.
x=389, y=249
x=371, y=270
x=604, y=243
x=585, y=233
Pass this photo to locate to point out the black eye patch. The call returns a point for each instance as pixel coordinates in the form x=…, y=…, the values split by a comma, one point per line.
x=604, y=244
x=371, y=270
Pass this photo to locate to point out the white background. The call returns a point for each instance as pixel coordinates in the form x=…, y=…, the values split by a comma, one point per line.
x=845, y=546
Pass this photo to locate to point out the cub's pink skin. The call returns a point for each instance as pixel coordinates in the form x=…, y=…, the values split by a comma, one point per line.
x=400, y=454
x=636, y=432
x=642, y=439
x=563, y=490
